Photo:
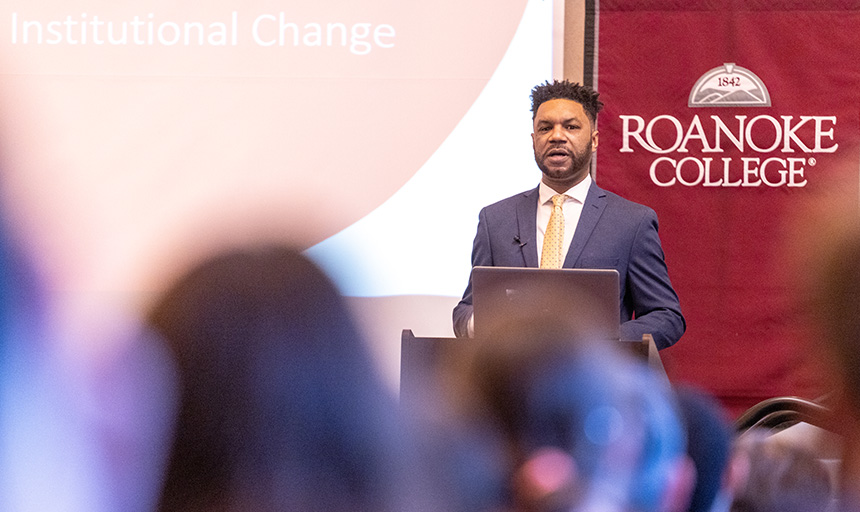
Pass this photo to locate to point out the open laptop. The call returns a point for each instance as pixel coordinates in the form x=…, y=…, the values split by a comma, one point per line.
x=501, y=294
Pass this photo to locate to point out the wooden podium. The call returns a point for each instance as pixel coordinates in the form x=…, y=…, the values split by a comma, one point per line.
x=422, y=359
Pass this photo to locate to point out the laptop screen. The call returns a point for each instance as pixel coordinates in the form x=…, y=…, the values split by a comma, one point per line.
x=589, y=297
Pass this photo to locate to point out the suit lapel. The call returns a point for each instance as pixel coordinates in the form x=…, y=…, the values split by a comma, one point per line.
x=527, y=226
x=595, y=202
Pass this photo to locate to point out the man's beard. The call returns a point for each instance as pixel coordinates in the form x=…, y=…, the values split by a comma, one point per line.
x=578, y=161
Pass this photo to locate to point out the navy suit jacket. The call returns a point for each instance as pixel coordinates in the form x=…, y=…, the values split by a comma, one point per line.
x=612, y=233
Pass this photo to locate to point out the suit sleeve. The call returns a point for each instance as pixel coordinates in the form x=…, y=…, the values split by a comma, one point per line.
x=481, y=256
x=657, y=310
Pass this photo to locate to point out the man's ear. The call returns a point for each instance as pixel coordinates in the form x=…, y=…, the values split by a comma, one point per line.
x=594, y=140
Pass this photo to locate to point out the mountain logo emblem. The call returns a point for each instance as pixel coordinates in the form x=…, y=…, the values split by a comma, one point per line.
x=729, y=86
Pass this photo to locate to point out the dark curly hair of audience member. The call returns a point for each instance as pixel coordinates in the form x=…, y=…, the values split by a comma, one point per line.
x=567, y=90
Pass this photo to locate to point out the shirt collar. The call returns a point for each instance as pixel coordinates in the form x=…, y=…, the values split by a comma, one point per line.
x=578, y=192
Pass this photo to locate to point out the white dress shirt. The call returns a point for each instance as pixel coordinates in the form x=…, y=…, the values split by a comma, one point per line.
x=572, y=210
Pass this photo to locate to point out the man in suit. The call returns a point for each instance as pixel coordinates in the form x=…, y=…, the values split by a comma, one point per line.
x=599, y=229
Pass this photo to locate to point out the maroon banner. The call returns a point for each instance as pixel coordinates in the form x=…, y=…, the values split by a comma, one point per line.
x=726, y=119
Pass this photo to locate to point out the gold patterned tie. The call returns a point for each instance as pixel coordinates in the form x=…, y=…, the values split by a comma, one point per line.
x=554, y=236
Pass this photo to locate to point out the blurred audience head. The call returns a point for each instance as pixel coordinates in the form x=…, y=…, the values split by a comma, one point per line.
x=834, y=278
x=23, y=319
x=709, y=445
x=583, y=426
x=781, y=477
x=836, y=287
x=48, y=451
x=280, y=407
x=5, y=297
x=22, y=300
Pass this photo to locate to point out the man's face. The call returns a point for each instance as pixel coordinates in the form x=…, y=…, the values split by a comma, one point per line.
x=563, y=141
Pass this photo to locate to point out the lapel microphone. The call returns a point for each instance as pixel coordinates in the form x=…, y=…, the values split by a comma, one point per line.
x=517, y=240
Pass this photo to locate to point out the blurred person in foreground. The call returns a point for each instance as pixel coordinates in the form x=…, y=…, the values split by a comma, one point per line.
x=50, y=455
x=710, y=439
x=835, y=291
x=580, y=426
x=280, y=407
x=781, y=477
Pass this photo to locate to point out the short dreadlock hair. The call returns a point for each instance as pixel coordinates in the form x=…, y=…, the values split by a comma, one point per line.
x=566, y=90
